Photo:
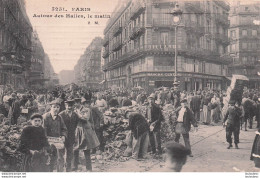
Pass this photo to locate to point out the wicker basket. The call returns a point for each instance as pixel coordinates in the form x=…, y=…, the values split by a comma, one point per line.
x=57, y=142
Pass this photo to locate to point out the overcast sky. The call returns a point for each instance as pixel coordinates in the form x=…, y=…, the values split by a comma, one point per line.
x=65, y=39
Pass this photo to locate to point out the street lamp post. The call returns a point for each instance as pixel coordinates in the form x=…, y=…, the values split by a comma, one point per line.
x=177, y=13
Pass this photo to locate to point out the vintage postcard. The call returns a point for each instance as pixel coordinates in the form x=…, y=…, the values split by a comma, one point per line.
x=129, y=86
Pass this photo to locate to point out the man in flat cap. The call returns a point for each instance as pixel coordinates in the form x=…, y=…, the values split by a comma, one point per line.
x=55, y=127
x=233, y=118
x=184, y=119
x=154, y=117
x=71, y=120
x=176, y=156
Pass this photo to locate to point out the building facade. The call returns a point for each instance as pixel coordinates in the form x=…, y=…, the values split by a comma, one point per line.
x=88, y=71
x=139, y=45
x=36, y=73
x=244, y=36
x=50, y=77
x=15, y=43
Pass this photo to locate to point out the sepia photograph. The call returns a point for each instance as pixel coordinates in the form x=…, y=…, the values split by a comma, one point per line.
x=129, y=86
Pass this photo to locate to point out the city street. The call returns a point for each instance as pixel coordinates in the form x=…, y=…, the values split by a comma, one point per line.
x=210, y=155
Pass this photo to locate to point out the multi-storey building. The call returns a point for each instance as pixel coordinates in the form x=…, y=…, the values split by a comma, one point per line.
x=88, y=69
x=15, y=43
x=36, y=75
x=244, y=35
x=139, y=45
x=50, y=77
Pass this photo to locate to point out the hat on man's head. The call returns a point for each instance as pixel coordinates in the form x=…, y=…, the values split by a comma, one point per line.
x=152, y=96
x=177, y=150
x=55, y=102
x=184, y=100
x=36, y=115
x=70, y=100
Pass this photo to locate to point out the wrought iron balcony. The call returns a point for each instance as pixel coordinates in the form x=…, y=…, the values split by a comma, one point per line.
x=117, y=46
x=117, y=30
x=105, y=53
x=136, y=31
x=194, y=6
x=106, y=41
x=137, y=9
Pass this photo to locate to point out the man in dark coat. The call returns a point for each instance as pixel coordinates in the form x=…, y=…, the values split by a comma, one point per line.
x=154, y=117
x=71, y=120
x=55, y=127
x=14, y=110
x=140, y=132
x=233, y=117
x=195, y=106
x=255, y=154
x=249, y=108
x=184, y=119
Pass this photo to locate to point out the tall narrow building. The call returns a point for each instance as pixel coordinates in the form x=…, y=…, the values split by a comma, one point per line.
x=15, y=44
x=139, y=45
x=244, y=36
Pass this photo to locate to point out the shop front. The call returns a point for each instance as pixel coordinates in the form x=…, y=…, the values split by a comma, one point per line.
x=188, y=81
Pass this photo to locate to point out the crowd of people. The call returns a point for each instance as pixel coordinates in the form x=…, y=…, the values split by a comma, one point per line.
x=65, y=122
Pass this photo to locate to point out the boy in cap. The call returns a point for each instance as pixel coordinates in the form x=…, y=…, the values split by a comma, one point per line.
x=55, y=127
x=71, y=120
x=33, y=142
x=184, y=119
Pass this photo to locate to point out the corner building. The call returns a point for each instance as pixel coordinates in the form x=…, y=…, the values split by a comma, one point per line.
x=244, y=36
x=139, y=45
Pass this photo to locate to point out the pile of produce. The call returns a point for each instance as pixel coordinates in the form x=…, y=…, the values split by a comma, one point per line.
x=10, y=159
x=167, y=128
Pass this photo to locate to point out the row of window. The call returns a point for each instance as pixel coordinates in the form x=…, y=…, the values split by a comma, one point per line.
x=244, y=32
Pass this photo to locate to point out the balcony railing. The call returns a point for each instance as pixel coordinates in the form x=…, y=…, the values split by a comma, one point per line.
x=194, y=27
x=223, y=4
x=222, y=38
x=194, y=6
x=136, y=31
x=117, y=30
x=117, y=46
x=201, y=54
x=137, y=9
x=105, y=54
x=223, y=19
